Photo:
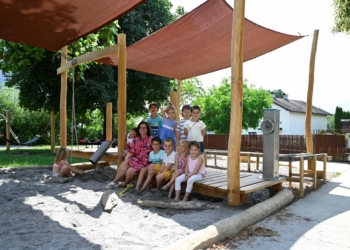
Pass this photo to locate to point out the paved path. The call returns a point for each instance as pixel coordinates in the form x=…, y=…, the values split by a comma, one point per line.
x=320, y=220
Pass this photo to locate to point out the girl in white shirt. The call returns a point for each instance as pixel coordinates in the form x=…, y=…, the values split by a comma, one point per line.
x=195, y=128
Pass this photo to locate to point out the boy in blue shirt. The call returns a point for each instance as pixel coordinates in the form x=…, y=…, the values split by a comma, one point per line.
x=155, y=121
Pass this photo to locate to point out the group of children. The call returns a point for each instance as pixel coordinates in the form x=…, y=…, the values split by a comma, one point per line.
x=167, y=164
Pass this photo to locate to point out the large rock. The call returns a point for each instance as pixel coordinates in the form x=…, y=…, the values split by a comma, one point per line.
x=109, y=200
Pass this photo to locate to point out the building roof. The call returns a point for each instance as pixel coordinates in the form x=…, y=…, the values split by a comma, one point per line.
x=297, y=106
x=199, y=43
x=53, y=24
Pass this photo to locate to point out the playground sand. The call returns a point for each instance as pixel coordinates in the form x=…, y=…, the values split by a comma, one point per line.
x=39, y=215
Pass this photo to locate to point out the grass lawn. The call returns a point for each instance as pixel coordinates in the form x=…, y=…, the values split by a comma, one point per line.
x=33, y=156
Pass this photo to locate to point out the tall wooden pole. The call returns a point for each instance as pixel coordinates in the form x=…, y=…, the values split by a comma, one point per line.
x=178, y=100
x=121, y=95
x=109, y=121
x=53, y=134
x=234, y=146
x=63, y=102
x=8, y=134
x=308, y=132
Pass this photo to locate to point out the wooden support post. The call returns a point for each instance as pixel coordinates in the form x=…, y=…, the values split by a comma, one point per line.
x=109, y=121
x=257, y=162
x=324, y=168
x=173, y=98
x=233, y=161
x=248, y=160
x=53, y=134
x=109, y=125
x=301, y=176
x=8, y=134
x=121, y=95
x=63, y=101
x=308, y=132
x=314, y=173
x=178, y=103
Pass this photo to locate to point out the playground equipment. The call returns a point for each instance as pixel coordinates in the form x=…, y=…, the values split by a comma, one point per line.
x=270, y=127
x=34, y=139
x=100, y=152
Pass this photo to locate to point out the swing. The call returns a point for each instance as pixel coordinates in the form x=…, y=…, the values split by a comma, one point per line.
x=34, y=139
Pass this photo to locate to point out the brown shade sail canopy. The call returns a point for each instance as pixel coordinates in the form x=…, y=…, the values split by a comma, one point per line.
x=199, y=43
x=52, y=24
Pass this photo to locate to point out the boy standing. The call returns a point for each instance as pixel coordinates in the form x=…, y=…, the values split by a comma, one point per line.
x=180, y=128
x=155, y=121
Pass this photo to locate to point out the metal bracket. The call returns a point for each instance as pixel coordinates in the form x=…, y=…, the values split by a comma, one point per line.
x=74, y=61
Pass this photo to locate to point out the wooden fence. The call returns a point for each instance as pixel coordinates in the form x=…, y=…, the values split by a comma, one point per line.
x=333, y=145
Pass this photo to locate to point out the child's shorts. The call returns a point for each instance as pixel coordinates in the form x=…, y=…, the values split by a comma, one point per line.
x=167, y=174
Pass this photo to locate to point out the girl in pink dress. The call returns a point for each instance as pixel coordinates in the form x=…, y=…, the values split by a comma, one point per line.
x=195, y=171
x=180, y=165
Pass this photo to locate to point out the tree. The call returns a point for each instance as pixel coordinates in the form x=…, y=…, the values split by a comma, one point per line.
x=279, y=93
x=330, y=122
x=191, y=89
x=216, y=106
x=337, y=117
x=341, y=16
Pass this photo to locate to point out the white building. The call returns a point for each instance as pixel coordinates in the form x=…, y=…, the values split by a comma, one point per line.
x=292, y=117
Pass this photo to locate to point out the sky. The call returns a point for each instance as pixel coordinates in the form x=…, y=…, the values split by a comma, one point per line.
x=287, y=68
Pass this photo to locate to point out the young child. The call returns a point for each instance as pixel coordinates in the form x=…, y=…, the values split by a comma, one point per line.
x=195, y=128
x=180, y=165
x=129, y=139
x=163, y=171
x=169, y=123
x=61, y=168
x=155, y=122
x=155, y=157
x=180, y=128
x=195, y=171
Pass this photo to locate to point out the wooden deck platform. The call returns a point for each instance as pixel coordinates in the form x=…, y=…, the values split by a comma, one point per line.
x=215, y=184
x=110, y=156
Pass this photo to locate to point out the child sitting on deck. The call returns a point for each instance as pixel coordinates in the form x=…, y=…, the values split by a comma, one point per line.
x=163, y=171
x=61, y=168
x=195, y=171
x=155, y=157
x=180, y=165
x=129, y=140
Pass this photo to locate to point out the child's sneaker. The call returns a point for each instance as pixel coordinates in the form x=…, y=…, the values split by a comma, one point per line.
x=111, y=185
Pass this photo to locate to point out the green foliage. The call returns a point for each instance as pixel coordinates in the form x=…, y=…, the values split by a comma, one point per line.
x=337, y=117
x=341, y=16
x=279, y=93
x=216, y=106
x=191, y=89
x=25, y=124
x=330, y=122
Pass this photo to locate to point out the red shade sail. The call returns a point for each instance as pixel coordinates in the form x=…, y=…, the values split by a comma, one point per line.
x=52, y=24
x=199, y=43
